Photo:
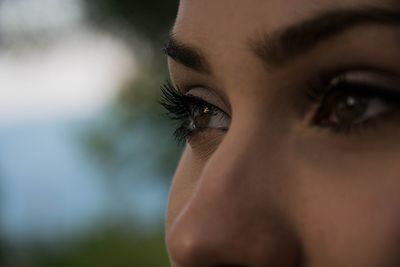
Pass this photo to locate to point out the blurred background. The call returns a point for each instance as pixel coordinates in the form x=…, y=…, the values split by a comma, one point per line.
x=86, y=155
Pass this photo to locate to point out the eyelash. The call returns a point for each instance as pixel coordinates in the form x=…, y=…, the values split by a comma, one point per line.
x=180, y=107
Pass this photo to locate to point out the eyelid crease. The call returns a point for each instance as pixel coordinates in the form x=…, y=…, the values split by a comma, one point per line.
x=210, y=97
x=388, y=81
x=368, y=76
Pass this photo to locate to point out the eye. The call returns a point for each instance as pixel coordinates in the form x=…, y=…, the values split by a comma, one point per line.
x=206, y=116
x=201, y=116
x=193, y=114
x=350, y=104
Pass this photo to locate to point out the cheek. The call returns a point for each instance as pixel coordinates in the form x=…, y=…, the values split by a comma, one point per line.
x=350, y=215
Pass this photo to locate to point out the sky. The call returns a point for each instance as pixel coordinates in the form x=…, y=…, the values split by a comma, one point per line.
x=71, y=70
x=56, y=76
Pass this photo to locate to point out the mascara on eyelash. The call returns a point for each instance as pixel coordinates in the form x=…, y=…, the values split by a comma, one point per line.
x=177, y=110
x=360, y=85
x=367, y=90
x=182, y=108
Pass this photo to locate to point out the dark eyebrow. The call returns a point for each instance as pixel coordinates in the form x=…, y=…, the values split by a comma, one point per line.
x=186, y=55
x=283, y=46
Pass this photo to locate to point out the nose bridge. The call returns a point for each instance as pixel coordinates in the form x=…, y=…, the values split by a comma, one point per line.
x=236, y=174
x=231, y=218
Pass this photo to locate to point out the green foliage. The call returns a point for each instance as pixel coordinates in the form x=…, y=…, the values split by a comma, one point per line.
x=135, y=130
x=2, y=253
x=136, y=111
x=114, y=248
x=132, y=133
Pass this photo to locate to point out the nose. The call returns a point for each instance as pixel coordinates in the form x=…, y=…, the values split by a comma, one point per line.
x=233, y=217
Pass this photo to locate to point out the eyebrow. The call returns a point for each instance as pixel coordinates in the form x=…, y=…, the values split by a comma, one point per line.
x=186, y=55
x=286, y=45
x=283, y=46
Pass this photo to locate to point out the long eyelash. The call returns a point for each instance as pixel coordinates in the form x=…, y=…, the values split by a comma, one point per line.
x=317, y=93
x=180, y=108
x=174, y=102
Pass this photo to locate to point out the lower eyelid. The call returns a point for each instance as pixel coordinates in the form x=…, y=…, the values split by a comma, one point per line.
x=206, y=141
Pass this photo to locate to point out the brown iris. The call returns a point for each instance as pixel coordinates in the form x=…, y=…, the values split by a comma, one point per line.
x=201, y=118
x=350, y=109
x=343, y=109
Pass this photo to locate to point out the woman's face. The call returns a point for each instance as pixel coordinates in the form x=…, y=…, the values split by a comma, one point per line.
x=291, y=113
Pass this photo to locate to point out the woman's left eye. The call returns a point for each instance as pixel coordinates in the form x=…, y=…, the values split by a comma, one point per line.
x=348, y=105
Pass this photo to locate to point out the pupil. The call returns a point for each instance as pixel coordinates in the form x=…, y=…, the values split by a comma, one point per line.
x=351, y=109
x=202, y=118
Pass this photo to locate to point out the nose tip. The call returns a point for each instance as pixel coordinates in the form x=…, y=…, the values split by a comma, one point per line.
x=201, y=237
x=195, y=247
x=190, y=249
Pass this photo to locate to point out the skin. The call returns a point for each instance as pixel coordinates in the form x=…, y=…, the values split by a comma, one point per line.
x=275, y=190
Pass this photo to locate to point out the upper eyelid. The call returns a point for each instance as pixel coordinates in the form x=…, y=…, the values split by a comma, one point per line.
x=378, y=78
x=374, y=77
x=212, y=95
x=199, y=99
x=370, y=90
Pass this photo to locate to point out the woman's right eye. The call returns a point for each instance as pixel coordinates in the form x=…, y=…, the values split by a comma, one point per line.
x=206, y=116
x=193, y=114
x=347, y=105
